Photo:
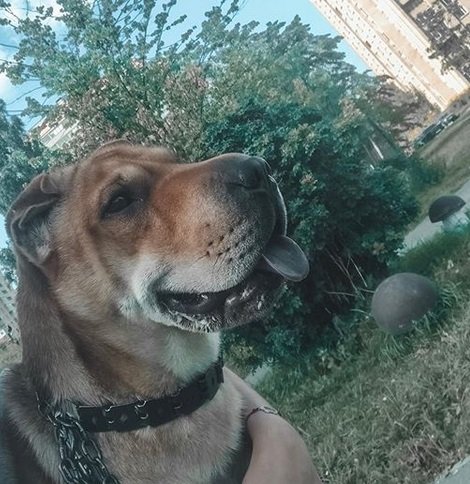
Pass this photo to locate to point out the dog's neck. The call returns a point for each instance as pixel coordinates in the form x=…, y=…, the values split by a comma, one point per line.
x=110, y=360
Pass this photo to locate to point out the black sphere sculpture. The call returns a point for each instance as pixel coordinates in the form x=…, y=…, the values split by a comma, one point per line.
x=401, y=299
x=445, y=206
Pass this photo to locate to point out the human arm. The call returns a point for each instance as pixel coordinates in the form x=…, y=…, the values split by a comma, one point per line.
x=279, y=454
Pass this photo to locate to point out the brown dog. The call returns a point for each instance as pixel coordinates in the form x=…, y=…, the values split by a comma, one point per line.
x=129, y=264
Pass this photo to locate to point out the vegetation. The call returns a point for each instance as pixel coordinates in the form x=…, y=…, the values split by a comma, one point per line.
x=383, y=410
x=444, y=257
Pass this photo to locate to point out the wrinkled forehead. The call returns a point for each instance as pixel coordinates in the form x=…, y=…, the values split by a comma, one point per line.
x=107, y=159
x=118, y=162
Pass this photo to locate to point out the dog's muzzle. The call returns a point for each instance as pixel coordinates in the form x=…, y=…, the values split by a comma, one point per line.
x=277, y=260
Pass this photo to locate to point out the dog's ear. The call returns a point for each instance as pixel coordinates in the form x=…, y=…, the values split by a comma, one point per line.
x=28, y=220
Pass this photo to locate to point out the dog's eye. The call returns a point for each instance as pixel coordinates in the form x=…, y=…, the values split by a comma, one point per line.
x=118, y=203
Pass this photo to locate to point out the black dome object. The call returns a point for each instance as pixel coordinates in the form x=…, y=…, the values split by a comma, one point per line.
x=401, y=299
x=444, y=206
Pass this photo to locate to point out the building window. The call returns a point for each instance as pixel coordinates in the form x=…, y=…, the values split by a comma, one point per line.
x=455, y=8
x=410, y=5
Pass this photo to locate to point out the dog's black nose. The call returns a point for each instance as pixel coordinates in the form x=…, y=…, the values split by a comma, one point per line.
x=250, y=172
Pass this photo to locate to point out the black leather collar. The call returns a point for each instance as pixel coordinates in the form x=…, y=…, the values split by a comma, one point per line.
x=152, y=413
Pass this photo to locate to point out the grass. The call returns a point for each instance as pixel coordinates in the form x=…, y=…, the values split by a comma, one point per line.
x=445, y=257
x=379, y=409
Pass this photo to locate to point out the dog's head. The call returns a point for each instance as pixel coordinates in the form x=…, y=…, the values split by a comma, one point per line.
x=130, y=232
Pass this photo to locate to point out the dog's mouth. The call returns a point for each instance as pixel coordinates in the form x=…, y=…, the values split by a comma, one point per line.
x=207, y=303
x=282, y=259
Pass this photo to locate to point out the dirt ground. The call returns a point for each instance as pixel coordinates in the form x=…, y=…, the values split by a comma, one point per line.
x=451, y=145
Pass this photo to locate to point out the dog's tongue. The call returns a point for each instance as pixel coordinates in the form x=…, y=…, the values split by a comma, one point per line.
x=284, y=257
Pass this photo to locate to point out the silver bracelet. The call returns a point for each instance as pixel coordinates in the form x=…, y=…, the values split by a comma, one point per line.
x=264, y=409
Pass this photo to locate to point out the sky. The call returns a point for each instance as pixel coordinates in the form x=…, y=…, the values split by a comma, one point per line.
x=262, y=11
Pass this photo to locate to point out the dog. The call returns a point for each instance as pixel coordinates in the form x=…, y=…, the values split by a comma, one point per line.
x=129, y=265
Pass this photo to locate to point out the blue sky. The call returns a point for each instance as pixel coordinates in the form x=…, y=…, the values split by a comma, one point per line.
x=262, y=11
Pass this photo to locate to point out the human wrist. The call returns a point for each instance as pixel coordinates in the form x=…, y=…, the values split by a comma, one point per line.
x=264, y=427
x=262, y=408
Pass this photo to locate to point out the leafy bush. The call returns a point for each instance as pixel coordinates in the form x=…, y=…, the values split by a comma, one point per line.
x=420, y=174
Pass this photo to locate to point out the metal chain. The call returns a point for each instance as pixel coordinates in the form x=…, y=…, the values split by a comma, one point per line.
x=81, y=461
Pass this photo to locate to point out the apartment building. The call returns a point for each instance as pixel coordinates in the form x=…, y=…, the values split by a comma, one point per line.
x=399, y=39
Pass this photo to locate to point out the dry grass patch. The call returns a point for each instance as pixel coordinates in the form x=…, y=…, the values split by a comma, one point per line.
x=389, y=416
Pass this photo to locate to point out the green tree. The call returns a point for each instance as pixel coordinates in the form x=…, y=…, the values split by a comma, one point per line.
x=110, y=61
x=400, y=114
x=279, y=92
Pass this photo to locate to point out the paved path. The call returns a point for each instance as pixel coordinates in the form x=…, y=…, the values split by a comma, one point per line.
x=425, y=230
x=460, y=474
